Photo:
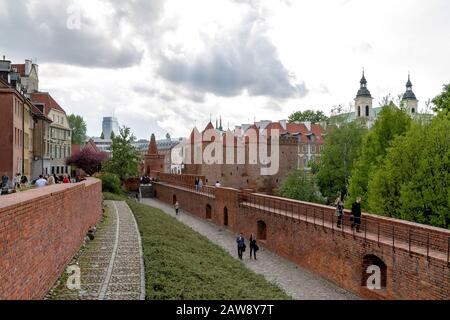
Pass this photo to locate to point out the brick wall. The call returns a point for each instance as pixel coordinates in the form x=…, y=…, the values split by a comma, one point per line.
x=338, y=255
x=40, y=232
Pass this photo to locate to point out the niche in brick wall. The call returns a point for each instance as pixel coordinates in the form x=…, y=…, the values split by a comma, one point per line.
x=225, y=216
x=262, y=230
x=208, y=211
x=373, y=260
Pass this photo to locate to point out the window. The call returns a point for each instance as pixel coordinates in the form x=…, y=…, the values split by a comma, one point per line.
x=313, y=149
x=367, y=111
x=359, y=111
x=304, y=148
x=413, y=110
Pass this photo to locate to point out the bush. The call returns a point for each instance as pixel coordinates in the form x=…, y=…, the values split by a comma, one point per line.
x=110, y=183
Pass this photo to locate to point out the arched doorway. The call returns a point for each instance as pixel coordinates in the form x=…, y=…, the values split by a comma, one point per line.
x=369, y=270
x=174, y=199
x=208, y=211
x=225, y=216
x=262, y=230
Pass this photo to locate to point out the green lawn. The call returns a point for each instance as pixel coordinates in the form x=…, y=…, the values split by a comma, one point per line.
x=182, y=264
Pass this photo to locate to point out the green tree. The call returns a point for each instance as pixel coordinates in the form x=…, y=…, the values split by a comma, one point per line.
x=390, y=123
x=442, y=101
x=414, y=181
x=112, y=135
x=341, y=148
x=308, y=115
x=300, y=186
x=78, y=126
x=125, y=158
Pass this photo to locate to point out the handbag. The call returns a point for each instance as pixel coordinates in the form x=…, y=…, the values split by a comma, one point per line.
x=243, y=248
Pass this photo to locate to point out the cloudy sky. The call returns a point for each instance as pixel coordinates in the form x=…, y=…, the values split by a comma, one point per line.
x=167, y=65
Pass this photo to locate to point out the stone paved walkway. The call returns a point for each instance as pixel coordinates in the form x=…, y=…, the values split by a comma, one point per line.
x=296, y=281
x=112, y=265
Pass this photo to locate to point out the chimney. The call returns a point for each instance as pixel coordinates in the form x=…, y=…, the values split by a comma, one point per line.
x=283, y=124
x=5, y=70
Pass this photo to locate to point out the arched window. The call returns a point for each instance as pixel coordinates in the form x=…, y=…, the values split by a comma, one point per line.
x=208, y=211
x=413, y=110
x=225, y=216
x=262, y=230
x=367, y=111
x=369, y=261
x=359, y=111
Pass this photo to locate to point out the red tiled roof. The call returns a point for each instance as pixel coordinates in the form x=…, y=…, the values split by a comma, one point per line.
x=47, y=100
x=20, y=69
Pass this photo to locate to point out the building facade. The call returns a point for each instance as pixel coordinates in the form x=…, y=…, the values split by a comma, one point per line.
x=110, y=125
x=60, y=133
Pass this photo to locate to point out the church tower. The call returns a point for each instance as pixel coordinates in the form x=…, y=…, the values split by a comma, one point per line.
x=363, y=101
x=409, y=101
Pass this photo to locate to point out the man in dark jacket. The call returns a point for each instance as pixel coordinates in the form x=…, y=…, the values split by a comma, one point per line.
x=241, y=245
x=356, y=214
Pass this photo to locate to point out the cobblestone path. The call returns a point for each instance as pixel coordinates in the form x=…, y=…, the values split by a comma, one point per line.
x=111, y=266
x=296, y=281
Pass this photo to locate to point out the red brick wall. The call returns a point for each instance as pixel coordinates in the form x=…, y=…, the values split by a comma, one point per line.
x=329, y=252
x=40, y=232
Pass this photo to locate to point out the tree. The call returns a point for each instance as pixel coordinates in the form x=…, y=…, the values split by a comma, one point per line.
x=390, y=123
x=442, y=101
x=341, y=148
x=308, y=115
x=300, y=186
x=414, y=181
x=112, y=135
x=125, y=158
x=78, y=126
x=88, y=160
x=102, y=136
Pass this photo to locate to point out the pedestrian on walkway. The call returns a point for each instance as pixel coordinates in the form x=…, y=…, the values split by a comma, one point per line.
x=196, y=184
x=200, y=185
x=356, y=214
x=24, y=181
x=241, y=245
x=177, y=207
x=66, y=179
x=253, y=246
x=16, y=181
x=50, y=180
x=5, y=180
x=339, y=211
x=41, y=182
x=217, y=185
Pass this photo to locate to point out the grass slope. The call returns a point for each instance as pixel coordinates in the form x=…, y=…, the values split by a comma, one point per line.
x=182, y=264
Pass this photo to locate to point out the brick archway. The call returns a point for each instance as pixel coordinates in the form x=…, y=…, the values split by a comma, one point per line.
x=372, y=260
x=261, y=230
x=208, y=210
x=225, y=216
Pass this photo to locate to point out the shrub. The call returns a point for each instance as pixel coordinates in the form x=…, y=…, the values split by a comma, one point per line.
x=110, y=183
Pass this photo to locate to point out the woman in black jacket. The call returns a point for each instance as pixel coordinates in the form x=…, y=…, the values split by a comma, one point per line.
x=253, y=246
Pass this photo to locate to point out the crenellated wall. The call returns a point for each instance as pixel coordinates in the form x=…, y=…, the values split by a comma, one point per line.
x=413, y=258
x=40, y=232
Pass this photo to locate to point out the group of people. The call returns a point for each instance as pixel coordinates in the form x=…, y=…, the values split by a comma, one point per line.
x=145, y=179
x=355, y=215
x=199, y=184
x=48, y=180
x=241, y=246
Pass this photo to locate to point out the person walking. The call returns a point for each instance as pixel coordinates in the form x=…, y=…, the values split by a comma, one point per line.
x=177, y=207
x=200, y=185
x=240, y=244
x=41, y=182
x=24, y=181
x=253, y=246
x=339, y=211
x=217, y=185
x=356, y=214
x=16, y=181
x=50, y=180
x=196, y=184
x=66, y=179
x=5, y=180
